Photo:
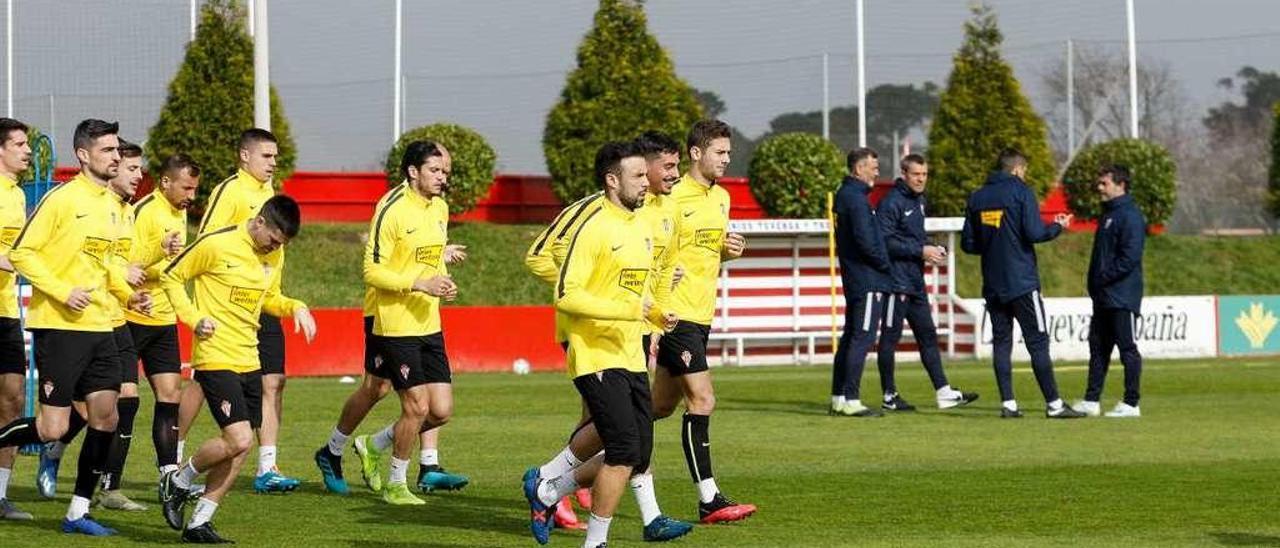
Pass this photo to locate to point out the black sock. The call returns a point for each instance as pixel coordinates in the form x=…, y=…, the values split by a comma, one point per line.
x=697, y=446
x=127, y=408
x=164, y=433
x=73, y=429
x=93, y=456
x=19, y=432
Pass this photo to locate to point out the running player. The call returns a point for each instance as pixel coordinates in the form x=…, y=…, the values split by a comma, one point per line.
x=15, y=158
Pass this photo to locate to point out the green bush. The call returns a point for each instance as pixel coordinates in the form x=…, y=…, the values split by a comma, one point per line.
x=472, y=158
x=1273, y=186
x=624, y=84
x=41, y=155
x=1154, y=184
x=210, y=102
x=982, y=111
x=792, y=173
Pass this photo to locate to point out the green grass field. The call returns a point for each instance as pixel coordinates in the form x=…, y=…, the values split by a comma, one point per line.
x=1199, y=469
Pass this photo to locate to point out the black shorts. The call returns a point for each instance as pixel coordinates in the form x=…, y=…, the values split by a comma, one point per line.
x=412, y=361
x=128, y=354
x=13, y=350
x=157, y=345
x=684, y=349
x=270, y=345
x=73, y=364
x=232, y=397
x=372, y=362
x=622, y=409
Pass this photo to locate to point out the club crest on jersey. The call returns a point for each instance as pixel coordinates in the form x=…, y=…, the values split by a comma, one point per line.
x=686, y=357
x=709, y=238
x=1107, y=224
x=666, y=225
x=404, y=371
x=632, y=279
x=377, y=361
x=48, y=388
x=922, y=210
x=225, y=407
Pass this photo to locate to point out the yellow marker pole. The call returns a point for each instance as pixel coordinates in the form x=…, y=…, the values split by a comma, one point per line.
x=831, y=256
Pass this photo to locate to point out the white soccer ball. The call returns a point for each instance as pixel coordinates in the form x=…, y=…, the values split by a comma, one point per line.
x=520, y=366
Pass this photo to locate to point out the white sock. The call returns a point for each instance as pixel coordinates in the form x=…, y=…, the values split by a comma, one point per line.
x=646, y=497
x=79, y=507
x=55, y=450
x=399, y=470
x=549, y=491
x=186, y=475
x=707, y=490
x=888, y=396
x=182, y=444
x=1055, y=404
x=597, y=531
x=266, y=459
x=857, y=404
x=4, y=482
x=429, y=457
x=203, y=513
x=384, y=438
x=560, y=465
x=337, y=440
x=945, y=391
x=168, y=468
x=838, y=401
x=1011, y=405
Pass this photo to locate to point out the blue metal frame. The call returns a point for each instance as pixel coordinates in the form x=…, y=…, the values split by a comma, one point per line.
x=34, y=190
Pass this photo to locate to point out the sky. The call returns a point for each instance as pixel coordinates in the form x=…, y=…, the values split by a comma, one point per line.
x=498, y=65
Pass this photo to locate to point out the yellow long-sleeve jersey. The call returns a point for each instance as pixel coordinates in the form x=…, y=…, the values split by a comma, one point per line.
x=370, y=294
x=68, y=243
x=663, y=218
x=119, y=262
x=601, y=290
x=235, y=200
x=546, y=254
x=153, y=219
x=233, y=284
x=704, y=218
x=13, y=215
x=407, y=237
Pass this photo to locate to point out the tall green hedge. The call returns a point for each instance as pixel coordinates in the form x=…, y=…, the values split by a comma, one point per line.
x=1273, y=186
x=210, y=102
x=792, y=173
x=1153, y=173
x=472, y=158
x=624, y=84
x=982, y=111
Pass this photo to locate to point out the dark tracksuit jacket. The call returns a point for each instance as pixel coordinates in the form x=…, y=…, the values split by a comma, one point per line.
x=864, y=272
x=1115, y=285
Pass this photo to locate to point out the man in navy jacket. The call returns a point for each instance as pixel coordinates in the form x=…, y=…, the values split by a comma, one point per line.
x=1002, y=224
x=901, y=217
x=1115, y=285
x=864, y=272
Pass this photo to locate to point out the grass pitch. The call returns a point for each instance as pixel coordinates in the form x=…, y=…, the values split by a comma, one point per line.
x=1199, y=469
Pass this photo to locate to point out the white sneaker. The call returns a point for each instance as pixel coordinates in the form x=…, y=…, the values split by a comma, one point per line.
x=1090, y=408
x=1124, y=411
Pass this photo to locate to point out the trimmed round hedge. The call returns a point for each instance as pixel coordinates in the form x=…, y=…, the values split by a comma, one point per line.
x=792, y=173
x=473, y=162
x=1153, y=173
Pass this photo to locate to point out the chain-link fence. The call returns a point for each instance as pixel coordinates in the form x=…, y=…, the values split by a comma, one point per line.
x=498, y=67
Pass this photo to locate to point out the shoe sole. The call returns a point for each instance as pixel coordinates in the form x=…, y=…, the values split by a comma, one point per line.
x=729, y=514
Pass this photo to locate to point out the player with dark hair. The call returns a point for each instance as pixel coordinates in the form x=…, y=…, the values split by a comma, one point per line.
x=15, y=158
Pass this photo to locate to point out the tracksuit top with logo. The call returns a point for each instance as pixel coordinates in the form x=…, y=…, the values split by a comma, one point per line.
x=119, y=261
x=601, y=290
x=235, y=200
x=67, y=243
x=233, y=284
x=663, y=217
x=704, y=218
x=407, y=237
x=13, y=215
x=1115, y=265
x=370, y=294
x=546, y=254
x=153, y=218
x=1002, y=224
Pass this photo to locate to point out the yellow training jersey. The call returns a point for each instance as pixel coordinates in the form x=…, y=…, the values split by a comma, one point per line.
x=13, y=215
x=120, y=261
x=546, y=254
x=68, y=243
x=235, y=200
x=601, y=290
x=153, y=219
x=370, y=295
x=704, y=218
x=662, y=217
x=407, y=236
x=233, y=283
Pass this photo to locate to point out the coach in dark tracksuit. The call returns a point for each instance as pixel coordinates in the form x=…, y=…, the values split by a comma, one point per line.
x=1115, y=285
x=1002, y=224
x=901, y=217
x=864, y=272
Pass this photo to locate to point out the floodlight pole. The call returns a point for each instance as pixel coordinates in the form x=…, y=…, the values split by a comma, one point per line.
x=1071, y=98
x=261, y=66
x=395, y=79
x=8, y=56
x=193, y=20
x=1133, y=73
x=862, y=83
x=826, y=96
